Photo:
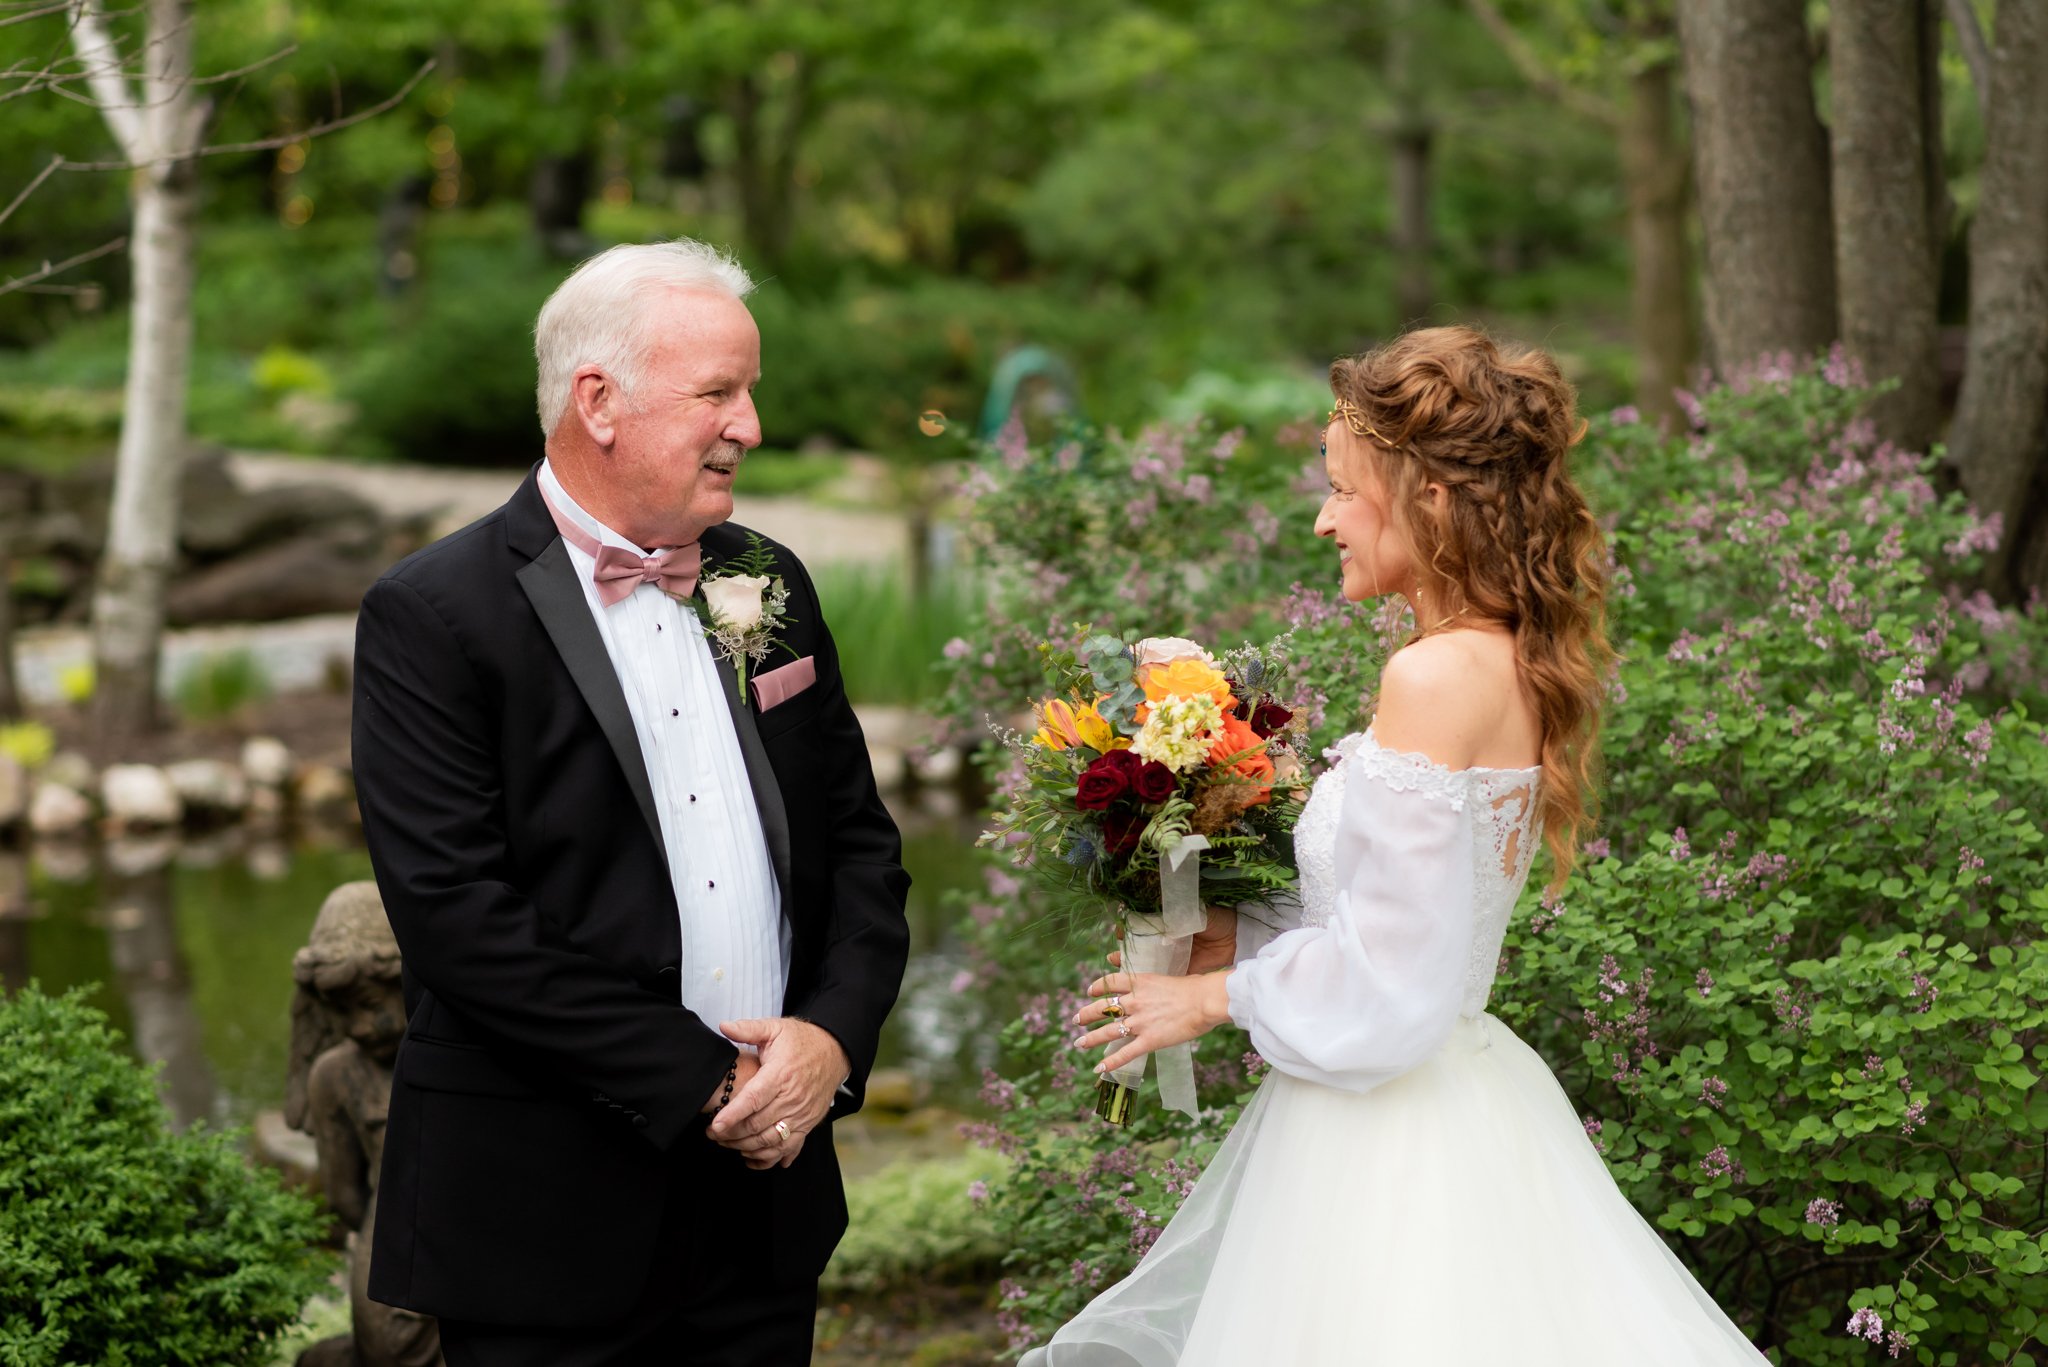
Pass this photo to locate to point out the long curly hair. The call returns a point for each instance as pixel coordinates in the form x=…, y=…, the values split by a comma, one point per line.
x=1513, y=543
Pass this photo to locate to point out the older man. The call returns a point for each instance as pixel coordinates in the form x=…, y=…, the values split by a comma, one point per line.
x=652, y=921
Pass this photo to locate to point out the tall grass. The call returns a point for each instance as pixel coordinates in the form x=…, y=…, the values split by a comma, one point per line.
x=890, y=639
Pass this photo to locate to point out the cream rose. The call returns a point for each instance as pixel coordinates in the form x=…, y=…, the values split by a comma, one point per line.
x=735, y=600
x=1159, y=650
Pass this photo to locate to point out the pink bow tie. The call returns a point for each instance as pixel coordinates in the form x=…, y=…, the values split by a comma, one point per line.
x=620, y=571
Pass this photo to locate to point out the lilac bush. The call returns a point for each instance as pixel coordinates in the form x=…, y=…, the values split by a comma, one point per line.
x=1796, y=986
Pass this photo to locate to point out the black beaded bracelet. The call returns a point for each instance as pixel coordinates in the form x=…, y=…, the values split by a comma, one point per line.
x=732, y=1075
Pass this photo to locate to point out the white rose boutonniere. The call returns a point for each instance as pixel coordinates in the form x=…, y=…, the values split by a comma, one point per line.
x=744, y=605
x=737, y=599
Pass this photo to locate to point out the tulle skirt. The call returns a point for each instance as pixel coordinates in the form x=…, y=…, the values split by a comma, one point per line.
x=1456, y=1215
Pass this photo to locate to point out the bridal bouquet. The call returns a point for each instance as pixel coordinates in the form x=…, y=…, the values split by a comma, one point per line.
x=1153, y=788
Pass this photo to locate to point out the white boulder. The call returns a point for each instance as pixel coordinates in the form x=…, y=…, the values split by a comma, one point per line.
x=266, y=761
x=138, y=796
x=58, y=810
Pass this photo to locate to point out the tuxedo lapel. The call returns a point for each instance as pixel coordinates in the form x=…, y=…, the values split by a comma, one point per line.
x=767, y=790
x=551, y=586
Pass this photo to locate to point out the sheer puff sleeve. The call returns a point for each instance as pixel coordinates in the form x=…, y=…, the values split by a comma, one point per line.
x=1363, y=999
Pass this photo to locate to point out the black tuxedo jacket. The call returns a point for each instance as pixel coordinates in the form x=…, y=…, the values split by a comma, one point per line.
x=548, y=1090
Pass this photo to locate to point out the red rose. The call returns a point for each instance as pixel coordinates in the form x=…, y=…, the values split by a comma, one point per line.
x=1105, y=780
x=1269, y=719
x=1120, y=831
x=1154, y=783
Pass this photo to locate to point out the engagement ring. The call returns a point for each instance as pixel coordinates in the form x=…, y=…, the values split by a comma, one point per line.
x=1115, y=1008
x=1123, y=1029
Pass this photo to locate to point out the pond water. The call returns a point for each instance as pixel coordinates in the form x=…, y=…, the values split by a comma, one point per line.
x=191, y=946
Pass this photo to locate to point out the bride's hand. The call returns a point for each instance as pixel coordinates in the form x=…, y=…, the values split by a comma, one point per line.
x=1156, y=1011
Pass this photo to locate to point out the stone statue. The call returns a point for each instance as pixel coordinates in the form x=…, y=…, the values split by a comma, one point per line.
x=347, y=1019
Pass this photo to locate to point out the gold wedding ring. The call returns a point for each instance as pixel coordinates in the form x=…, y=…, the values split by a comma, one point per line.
x=782, y=1128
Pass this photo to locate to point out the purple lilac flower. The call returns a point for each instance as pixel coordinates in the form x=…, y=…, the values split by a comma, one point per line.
x=1866, y=1323
x=977, y=1191
x=1713, y=1092
x=1704, y=981
x=1593, y=1128
x=1681, y=845
x=1717, y=1164
x=1823, y=1212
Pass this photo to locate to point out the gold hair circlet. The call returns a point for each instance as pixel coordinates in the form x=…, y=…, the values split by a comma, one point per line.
x=1354, y=418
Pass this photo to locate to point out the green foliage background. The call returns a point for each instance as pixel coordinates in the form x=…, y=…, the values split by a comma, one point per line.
x=1797, y=986
x=1154, y=190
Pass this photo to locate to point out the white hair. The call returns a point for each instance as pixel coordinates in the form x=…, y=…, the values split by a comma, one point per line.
x=598, y=316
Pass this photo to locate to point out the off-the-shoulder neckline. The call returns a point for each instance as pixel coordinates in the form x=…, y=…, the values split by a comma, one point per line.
x=1367, y=737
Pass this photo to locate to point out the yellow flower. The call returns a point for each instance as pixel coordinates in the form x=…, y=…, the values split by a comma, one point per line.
x=1056, y=728
x=1185, y=679
x=1096, y=730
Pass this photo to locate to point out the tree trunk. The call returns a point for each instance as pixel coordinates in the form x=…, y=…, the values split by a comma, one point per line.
x=1410, y=135
x=2000, y=438
x=1887, y=233
x=1414, y=294
x=1654, y=165
x=142, y=524
x=1763, y=178
x=158, y=124
x=763, y=200
x=562, y=176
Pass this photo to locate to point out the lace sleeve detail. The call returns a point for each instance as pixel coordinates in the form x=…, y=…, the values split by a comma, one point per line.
x=1405, y=772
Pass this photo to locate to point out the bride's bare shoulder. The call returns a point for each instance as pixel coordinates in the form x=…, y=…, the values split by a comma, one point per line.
x=1446, y=696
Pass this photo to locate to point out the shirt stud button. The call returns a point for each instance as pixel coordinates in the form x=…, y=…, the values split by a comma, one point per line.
x=711, y=883
x=675, y=712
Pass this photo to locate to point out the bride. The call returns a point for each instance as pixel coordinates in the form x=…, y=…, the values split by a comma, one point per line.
x=1411, y=1186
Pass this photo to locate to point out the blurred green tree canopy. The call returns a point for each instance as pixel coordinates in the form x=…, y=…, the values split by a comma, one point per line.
x=1163, y=191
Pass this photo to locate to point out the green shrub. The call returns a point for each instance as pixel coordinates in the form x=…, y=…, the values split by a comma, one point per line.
x=892, y=640
x=122, y=1242
x=771, y=473
x=1798, y=987
x=281, y=370
x=453, y=384
x=918, y=1222
x=221, y=684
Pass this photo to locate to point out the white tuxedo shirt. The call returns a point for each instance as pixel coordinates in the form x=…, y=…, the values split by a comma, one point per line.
x=735, y=940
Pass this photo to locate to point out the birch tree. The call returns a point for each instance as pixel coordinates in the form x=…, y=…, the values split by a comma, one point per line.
x=158, y=118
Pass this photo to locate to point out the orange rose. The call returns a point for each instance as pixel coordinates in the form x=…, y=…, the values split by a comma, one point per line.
x=1236, y=738
x=1183, y=679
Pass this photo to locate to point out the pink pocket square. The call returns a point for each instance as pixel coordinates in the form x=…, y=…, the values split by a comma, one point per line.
x=784, y=682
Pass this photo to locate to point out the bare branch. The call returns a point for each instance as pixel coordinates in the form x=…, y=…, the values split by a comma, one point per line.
x=30, y=188
x=1537, y=73
x=49, y=269
x=248, y=70
x=1962, y=16
x=39, y=12
x=269, y=144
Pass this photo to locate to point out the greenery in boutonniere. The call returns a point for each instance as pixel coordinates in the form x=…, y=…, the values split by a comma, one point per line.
x=743, y=604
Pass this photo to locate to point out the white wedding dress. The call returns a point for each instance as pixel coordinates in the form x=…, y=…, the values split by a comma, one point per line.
x=1410, y=1187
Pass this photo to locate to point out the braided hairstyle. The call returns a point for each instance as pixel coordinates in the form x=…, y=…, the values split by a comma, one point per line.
x=1513, y=543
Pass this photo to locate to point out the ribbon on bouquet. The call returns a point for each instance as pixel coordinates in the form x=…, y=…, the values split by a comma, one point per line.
x=1163, y=944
